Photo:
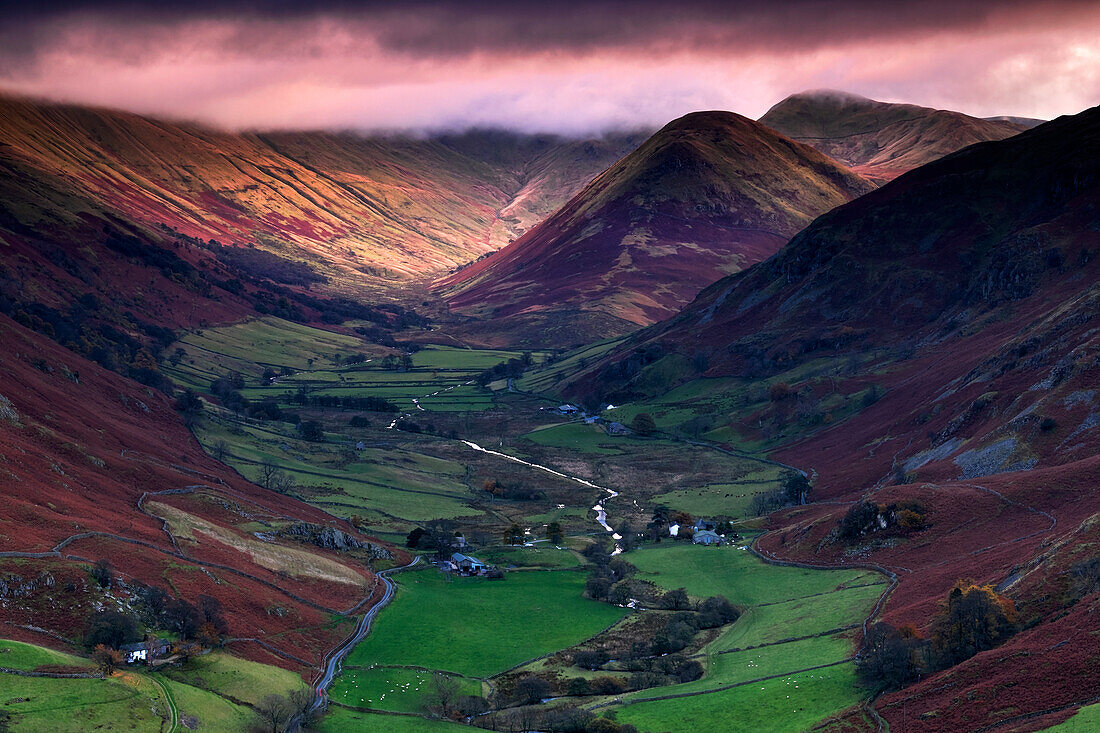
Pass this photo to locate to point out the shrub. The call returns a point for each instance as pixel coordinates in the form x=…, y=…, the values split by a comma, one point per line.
x=590, y=659
x=643, y=424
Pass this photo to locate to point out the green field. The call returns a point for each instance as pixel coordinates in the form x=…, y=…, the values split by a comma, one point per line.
x=341, y=720
x=779, y=604
x=17, y=655
x=125, y=702
x=793, y=703
x=207, y=711
x=1086, y=720
x=235, y=678
x=391, y=688
x=480, y=627
x=579, y=437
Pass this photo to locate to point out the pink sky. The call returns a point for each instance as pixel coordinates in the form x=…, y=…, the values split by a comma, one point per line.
x=584, y=67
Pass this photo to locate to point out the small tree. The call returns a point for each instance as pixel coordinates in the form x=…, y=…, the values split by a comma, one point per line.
x=311, y=430
x=554, y=533
x=643, y=424
x=274, y=712
x=532, y=689
x=443, y=694
x=514, y=535
x=220, y=450
x=101, y=573
x=106, y=659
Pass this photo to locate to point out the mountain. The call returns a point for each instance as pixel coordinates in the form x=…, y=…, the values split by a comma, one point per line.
x=387, y=207
x=932, y=344
x=881, y=140
x=709, y=194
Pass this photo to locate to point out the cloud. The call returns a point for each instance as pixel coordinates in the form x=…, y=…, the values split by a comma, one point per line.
x=566, y=67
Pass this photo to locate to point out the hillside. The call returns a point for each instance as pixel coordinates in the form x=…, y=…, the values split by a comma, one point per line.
x=881, y=140
x=387, y=207
x=94, y=466
x=709, y=194
x=932, y=342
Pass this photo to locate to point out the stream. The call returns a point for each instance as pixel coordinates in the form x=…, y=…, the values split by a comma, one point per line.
x=601, y=512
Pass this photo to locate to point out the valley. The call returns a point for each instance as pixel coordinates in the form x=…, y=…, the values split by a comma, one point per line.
x=790, y=424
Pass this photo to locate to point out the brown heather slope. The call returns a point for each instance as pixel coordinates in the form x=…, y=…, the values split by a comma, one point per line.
x=386, y=207
x=881, y=140
x=968, y=292
x=80, y=447
x=709, y=194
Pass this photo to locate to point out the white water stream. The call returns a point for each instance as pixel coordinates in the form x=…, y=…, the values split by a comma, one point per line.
x=601, y=512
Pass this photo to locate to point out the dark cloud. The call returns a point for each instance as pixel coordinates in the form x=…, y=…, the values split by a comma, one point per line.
x=423, y=27
x=555, y=66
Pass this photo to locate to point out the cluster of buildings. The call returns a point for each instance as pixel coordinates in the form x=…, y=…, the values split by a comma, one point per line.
x=704, y=532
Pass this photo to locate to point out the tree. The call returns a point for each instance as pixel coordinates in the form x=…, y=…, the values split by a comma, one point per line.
x=974, y=618
x=532, y=689
x=312, y=431
x=890, y=658
x=111, y=629
x=183, y=618
x=797, y=488
x=442, y=695
x=274, y=479
x=101, y=573
x=676, y=600
x=643, y=424
x=106, y=659
x=439, y=535
x=514, y=535
x=220, y=450
x=274, y=712
x=414, y=537
x=190, y=406
x=554, y=533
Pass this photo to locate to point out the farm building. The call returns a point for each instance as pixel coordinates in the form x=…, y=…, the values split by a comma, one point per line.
x=707, y=537
x=145, y=651
x=468, y=565
x=568, y=409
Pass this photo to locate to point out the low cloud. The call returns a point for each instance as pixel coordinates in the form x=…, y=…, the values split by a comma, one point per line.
x=573, y=68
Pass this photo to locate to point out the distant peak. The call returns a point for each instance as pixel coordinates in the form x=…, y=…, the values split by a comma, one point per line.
x=829, y=95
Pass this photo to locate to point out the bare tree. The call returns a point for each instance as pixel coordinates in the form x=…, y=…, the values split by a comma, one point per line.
x=443, y=694
x=274, y=712
x=220, y=450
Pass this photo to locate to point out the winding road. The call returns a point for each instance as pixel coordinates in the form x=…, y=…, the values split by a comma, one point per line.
x=336, y=657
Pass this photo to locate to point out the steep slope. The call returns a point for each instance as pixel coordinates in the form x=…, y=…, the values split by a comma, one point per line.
x=934, y=342
x=709, y=194
x=881, y=140
x=388, y=207
x=94, y=466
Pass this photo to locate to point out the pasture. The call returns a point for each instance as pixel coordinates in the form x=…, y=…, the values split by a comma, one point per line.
x=479, y=627
x=391, y=688
x=790, y=619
